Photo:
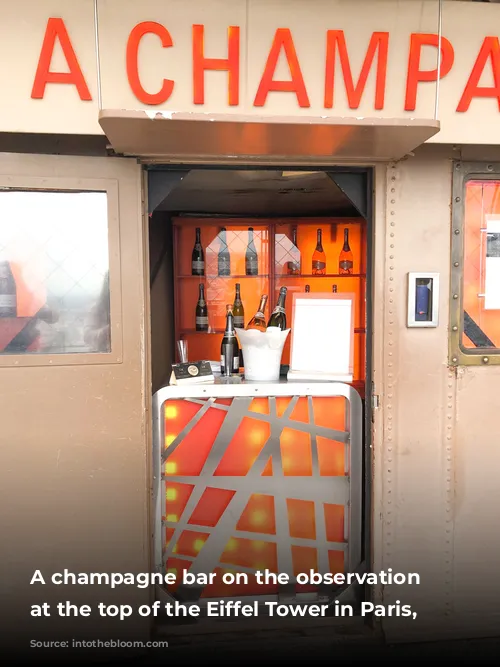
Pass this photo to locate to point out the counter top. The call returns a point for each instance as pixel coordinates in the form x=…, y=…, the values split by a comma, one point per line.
x=237, y=386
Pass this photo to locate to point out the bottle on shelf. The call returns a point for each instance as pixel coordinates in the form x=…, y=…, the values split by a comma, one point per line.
x=319, y=257
x=258, y=321
x=278, y=316
x=238, y=310
x=345, y=258
x=201, y=310
x=251, y=257
x=223, y=256
x=229, y=348
x=308, y=289
x=293, y=265
x=8, y=291
x=334, y=289
x=198, y=257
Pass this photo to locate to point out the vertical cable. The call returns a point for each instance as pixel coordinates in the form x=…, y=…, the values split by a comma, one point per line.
x=97, y=54
x=440, y=36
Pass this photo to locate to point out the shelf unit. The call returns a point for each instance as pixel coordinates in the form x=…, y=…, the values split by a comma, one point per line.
x=275, y=249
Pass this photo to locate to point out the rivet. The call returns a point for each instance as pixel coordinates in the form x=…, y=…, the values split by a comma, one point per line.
x=393, y=201
x=456, y=264
x=455, y=296
x=457, y=166
x=490, y=167
x=455, y=328
x=457, y=199
x=457, y=231
x=486, y=360
x=454, y=360
x=393, y=224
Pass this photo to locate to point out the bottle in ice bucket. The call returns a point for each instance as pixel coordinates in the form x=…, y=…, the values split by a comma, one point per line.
x=258, y=321
x=278, y=316
x=229, y=349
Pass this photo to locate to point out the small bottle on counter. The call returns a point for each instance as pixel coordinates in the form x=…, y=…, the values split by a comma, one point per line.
x=229, y=349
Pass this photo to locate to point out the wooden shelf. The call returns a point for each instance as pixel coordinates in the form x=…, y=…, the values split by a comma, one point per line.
x=326, y=275
x=231, y=277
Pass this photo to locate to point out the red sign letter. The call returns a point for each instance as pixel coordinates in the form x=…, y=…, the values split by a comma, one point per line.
x=490, y=49
x=230, y=64
x=282, y=39
x=134, y=80
x=379, y=42
x=415, y=74
x=57, y=30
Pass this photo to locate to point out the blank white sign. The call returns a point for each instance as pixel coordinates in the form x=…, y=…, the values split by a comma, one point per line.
x=492, y=266
x=322, y=336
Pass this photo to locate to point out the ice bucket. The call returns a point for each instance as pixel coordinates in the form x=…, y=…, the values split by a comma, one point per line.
x=262, y=353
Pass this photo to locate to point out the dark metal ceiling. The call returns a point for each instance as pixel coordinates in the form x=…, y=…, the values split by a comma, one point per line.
x=258, y=193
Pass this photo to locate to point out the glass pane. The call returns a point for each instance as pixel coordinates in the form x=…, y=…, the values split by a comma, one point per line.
x=54, y=272
x=481, y=286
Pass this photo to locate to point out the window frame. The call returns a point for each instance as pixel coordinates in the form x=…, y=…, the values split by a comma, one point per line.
x=60, y=184
x=463, y=172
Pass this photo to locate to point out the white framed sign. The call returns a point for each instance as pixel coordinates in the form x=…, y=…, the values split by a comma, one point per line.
x=322, y=342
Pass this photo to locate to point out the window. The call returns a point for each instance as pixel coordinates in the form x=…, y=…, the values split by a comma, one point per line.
x=475, y=311
x=54, y=272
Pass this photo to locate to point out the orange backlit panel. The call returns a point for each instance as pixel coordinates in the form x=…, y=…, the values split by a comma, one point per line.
x=226, y=506
x=481, y=225
x=275, y=251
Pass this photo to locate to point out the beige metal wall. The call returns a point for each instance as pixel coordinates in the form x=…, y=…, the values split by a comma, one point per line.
x=74, y=457
x=436, y=457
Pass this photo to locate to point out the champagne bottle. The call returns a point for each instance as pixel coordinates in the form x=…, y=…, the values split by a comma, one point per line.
x=198, y=258
x=258, y=321
x=229, y=348
x=251, y=257
x=278, y=316
x=223, y=257
x=319, y=257
x=8, y=292
x=294, y=264
x=308, y=289
x=345, y=258
x=201, y=311
x=238, y=310
x=334, y=289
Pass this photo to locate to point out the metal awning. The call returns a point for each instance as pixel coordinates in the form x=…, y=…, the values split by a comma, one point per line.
x=203, y=137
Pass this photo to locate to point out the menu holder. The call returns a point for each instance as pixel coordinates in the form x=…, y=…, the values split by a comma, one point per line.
x=197, y=372
x=322, y=343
